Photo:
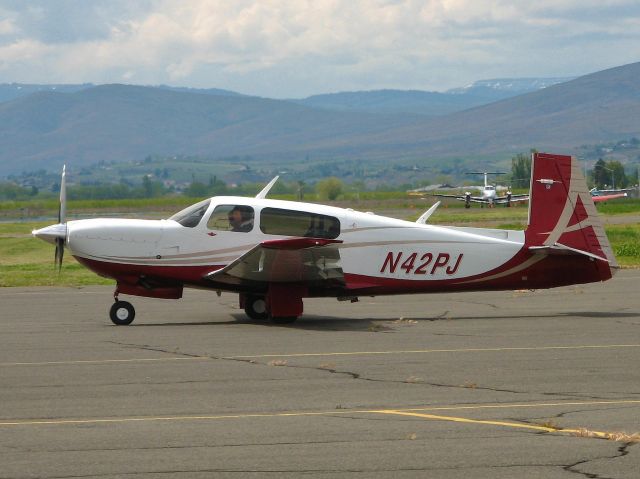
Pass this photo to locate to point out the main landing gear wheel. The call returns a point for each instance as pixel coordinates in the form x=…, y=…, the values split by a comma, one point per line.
x=256, y=308
x=122, y=313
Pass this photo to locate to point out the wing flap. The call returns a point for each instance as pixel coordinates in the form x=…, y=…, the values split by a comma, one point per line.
x=292, y=260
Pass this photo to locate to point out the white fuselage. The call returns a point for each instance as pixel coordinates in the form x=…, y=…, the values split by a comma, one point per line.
x=372, y=246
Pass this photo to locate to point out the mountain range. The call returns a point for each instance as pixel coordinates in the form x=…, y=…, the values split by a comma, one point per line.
x=82, y=124
x=429, y=103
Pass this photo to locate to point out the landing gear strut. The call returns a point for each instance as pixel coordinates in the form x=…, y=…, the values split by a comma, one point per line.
x=122, y=313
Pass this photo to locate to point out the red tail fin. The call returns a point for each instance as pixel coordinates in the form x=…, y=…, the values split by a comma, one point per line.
x=561, y=211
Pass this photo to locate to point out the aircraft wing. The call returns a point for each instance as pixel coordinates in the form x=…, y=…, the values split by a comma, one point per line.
x=600, y=198
x=475, y=199
x=472, y=199
x=292, y=260
x=513, y=199
x=458, y=197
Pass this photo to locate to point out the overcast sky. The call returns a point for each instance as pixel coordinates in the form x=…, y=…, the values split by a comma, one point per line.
x=294, y=48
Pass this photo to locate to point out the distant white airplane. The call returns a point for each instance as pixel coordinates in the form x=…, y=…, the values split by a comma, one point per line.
x=275, y=253
x=489, y=194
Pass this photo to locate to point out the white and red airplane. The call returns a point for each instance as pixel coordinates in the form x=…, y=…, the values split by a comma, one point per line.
x=275, y=253
x=489, y=194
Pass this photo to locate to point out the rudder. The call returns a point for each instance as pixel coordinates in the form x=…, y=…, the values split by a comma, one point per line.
x=562, y=215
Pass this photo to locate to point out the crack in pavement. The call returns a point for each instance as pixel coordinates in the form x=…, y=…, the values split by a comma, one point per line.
x=220, y=446
x=621, y=452
x=291, y=471
x=559, y=415
x=479, y=303
x=627, y=323
x=358, y=376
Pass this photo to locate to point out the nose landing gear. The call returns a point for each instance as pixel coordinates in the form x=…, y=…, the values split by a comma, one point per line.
x=122, y=313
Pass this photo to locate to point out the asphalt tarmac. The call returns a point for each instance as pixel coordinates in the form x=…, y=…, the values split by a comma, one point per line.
x=475, y=385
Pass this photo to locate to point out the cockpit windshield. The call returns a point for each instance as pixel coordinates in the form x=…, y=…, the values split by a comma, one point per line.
x=191, y=216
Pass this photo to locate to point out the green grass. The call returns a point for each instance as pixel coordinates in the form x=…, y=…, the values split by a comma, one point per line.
x=625, y=241
x=73, y=205
x=620, y=206
x=27, y=261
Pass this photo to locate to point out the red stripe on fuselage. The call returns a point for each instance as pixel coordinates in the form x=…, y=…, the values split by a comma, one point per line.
x=188, y=275
x=549, y=272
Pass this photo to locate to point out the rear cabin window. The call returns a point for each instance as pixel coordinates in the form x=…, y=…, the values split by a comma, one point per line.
x=276, y=221
x=191, y=216
x=238, y=218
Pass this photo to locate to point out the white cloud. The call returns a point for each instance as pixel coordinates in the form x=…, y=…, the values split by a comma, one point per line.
x=283, y=48
x=7, y=27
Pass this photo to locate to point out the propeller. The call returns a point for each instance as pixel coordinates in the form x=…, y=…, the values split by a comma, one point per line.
x=57, y=261
x=57, y=234
x=62, y=219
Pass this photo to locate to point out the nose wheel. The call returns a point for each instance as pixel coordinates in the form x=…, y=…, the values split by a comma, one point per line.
x=122, y=313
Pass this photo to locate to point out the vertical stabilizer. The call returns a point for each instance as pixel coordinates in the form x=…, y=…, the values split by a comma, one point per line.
x=561, y=211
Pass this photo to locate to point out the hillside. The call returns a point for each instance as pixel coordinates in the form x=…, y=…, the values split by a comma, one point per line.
x=429, y=103
x=595, y=108
x=394, y=101
x=12, y=91
x=118, y=122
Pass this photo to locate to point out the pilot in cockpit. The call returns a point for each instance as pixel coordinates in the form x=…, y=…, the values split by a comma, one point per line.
x=241, y=219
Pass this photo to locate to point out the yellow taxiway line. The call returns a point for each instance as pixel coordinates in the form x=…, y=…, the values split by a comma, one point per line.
x=415, y=412
x=435, y=417
x=582, y=432
x=104, y=361
x=428, y=351
x=324, y=354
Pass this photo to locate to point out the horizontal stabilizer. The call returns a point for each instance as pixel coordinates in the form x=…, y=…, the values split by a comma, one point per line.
x=558, y=248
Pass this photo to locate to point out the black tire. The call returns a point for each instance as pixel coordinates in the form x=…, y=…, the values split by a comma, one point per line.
x=122, y=313
x=283, y=319
x=256, y=308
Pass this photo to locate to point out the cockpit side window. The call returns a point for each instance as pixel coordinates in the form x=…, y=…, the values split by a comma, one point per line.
x=237, y=218
x=190, y=217
x=276, y=221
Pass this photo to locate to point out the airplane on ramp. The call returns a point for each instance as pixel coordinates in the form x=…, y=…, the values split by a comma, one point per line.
x=489, y=194
x=276, y=253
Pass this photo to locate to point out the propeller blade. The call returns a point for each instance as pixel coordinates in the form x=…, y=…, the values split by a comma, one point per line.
x=59, y=255
x=62, y=218
x=62, y=211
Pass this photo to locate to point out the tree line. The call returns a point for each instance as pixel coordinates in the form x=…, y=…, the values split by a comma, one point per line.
x=328, y=189
x=609, y=174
